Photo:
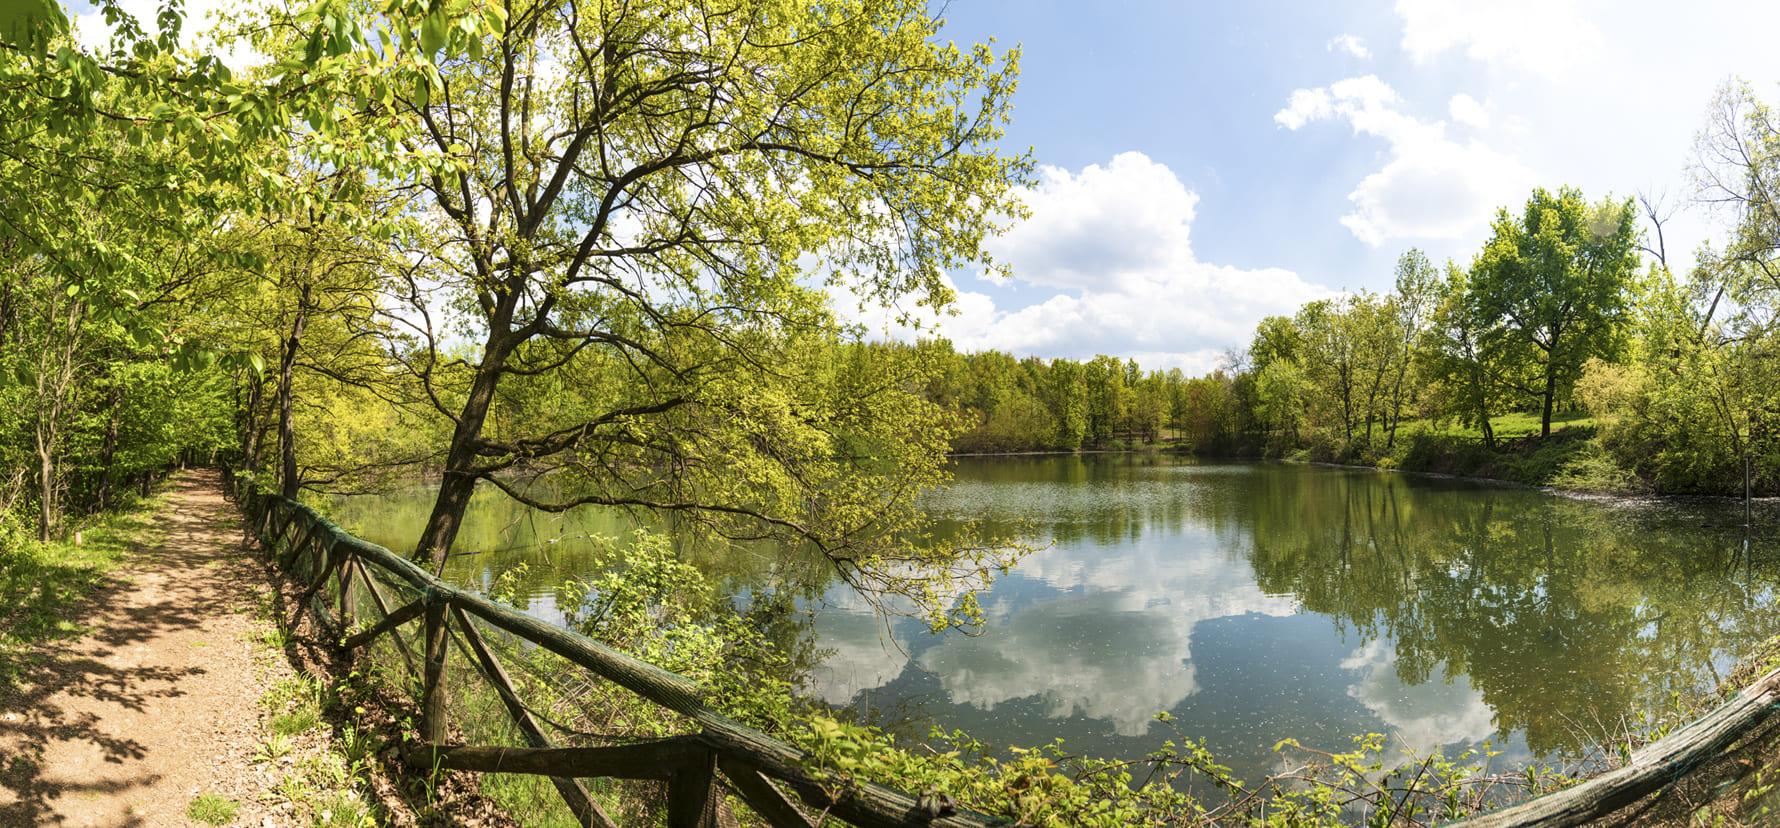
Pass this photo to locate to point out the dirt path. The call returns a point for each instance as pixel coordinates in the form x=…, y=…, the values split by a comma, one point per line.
x=160, y=700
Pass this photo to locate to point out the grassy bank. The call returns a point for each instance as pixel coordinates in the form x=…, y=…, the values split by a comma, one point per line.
x=1572, y=458
x=43, y=585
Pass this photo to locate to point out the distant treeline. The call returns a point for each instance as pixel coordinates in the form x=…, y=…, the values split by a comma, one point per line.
x=1012, y=404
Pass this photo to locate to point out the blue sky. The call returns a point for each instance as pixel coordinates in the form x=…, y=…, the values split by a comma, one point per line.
x=1313, y=143
x=1208, y=163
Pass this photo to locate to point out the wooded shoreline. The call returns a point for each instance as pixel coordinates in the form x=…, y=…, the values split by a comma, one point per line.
x=1564, y=491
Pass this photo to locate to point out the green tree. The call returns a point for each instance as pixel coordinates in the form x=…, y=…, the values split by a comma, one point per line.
x=625, y=206
x=1559, y=278
x=1418, y=289
x=1109, y=401
x=1280, y=389
x=1462, y=358
x=1066, y=392
x=1276, y=338
x=1149, y=407
x=1328, y=353
x=1372, y=322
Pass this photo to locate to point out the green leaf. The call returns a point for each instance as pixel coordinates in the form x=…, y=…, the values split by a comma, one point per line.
x=432, y=33
x=32, y=24
x=312, y=52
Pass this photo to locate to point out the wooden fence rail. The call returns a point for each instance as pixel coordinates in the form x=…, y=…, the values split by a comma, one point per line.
x=1651, y=768
x=773, y=778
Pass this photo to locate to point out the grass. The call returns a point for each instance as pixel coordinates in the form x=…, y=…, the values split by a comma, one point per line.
x=291, y=723
x=275, y=747
x=1506, y=426
x=533, y=800
x=42, y=584
x=322, y=775
x=211, y=809
x=1571, y=458
x=295, y=703
x=343, y=808
x=274, y=638
x=298, y=692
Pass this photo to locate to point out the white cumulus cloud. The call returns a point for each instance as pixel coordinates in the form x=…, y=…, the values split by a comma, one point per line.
x=1429, y=186
x=1423, y=716
x=1351, y=45
x=859, y=655
x=1468, y=111
x=1115, y=641
x=1540, y=37
x=1113, y=245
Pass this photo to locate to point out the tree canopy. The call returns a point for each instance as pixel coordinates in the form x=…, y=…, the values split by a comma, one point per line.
x=1558, y=280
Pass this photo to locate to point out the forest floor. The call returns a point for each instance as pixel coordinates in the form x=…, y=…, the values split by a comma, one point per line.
x=157, y=703
x=153, y=684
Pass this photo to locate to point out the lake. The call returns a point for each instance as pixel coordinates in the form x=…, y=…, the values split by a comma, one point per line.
x=1253, y=601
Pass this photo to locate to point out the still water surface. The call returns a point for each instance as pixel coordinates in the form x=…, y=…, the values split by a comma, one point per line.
x=1254, y=602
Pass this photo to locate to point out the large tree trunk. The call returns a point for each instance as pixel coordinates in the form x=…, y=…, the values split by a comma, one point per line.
x=55, y=375
x=1344, y=377
x=1396, y=418
x=459, y=480
x=255, y=427
x=46, y=432
x=1483, y=411
x=459, y=475
x=1372, y=412
x=287, y=437
x=46, y=491
x=1554, y=336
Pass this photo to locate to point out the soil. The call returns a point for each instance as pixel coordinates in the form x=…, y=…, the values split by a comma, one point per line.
x=159, y=701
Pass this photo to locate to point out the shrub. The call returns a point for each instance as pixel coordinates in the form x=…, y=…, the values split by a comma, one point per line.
x=1593, y=468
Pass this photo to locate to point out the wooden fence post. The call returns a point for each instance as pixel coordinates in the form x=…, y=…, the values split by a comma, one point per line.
x=695, y=798
x=586, y=810
x=383, y=606
x=330, y=555
x=432, y=690
x=769, y=802
x=282, y=515
x=288, y=558
x=263, y=532
x=344, y=575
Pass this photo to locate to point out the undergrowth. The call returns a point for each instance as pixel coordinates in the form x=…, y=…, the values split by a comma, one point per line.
x=42, y=584
x=319, y=775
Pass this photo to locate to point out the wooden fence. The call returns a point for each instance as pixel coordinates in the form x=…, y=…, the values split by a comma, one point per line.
x=1652, y=767
x=721, y=759
x=718, y=761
